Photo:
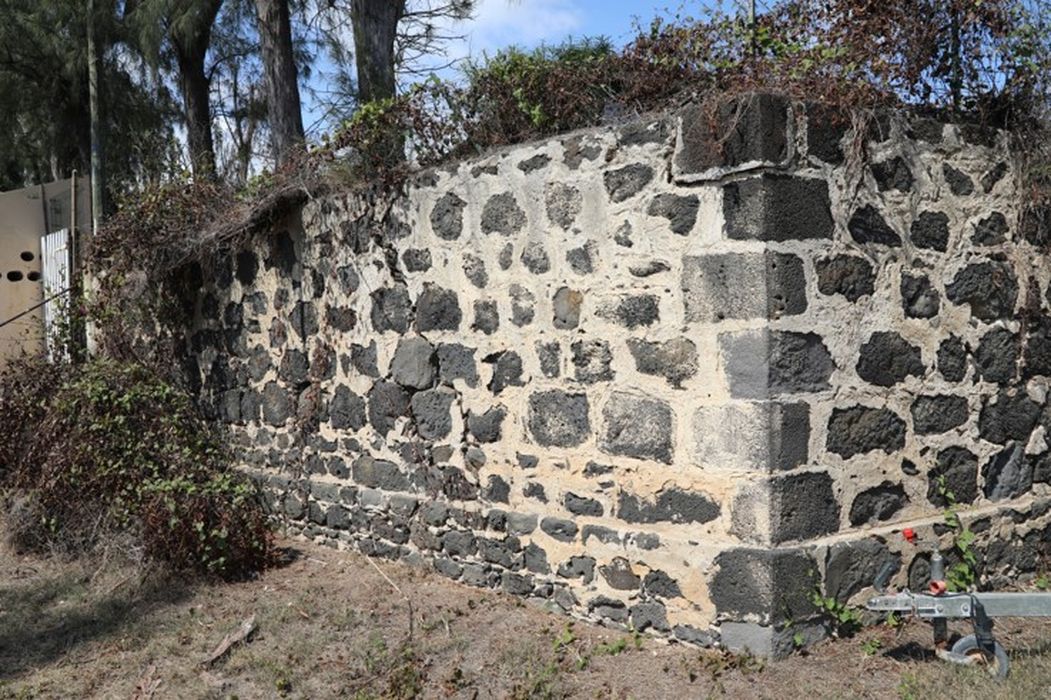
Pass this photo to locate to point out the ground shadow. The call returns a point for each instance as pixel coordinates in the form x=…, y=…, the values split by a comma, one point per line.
x=911, y=651
x=46, y=618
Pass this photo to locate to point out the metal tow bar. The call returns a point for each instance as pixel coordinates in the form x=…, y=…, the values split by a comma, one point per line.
x=939, y=606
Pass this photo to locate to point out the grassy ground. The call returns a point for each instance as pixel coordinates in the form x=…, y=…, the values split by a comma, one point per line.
x=330, y=624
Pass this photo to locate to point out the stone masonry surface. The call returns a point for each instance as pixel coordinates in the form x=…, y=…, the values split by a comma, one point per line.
x=655, y=378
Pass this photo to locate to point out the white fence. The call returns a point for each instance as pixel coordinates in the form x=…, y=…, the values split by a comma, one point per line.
x=54, y=260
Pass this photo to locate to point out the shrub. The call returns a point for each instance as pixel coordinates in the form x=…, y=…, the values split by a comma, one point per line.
x=515, y=95
x=91, y=450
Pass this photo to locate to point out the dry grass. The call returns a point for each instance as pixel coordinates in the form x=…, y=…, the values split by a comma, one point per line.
x=330, y=625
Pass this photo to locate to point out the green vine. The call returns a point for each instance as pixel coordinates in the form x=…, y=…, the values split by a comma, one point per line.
x=963, y=574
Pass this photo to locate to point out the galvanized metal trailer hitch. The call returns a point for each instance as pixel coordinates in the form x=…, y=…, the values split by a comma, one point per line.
x=940, y=606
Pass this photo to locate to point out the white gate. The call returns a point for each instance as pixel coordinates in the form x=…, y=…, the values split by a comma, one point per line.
x=54, y=260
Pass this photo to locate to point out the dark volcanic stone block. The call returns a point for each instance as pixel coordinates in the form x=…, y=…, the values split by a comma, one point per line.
x=938, y=413
x=1012, y=416
x=414, y=364
x=1008, y=474
x=391, y=309
x=437, y=309
x=387, y=402
x=743, y=130
x=671, y=505
x=346, y=410
x=619, y=575
x=535, y=258
x=960, y=183
x=550, y=357
x=743, y=286
x=632, y=311
x=558, y=419
x=637, y=426
x=675, y=359
x=762, y=363
x=591, y=360
x=990, y=288
x=559, y=528
x=886, y=359
x=1037, y=360
x=474, y=270
x=1035, y=225
x=958, y=468
x=486, y=316
x=765, y=583
x=563, y=203
x=247, y=265
x=825, y=128
x=457, y=362
x=893, y=174
x=878, y=503
x=849, y=275
x=852, y=566
x=802, y=506
x=992, y=230
x=624, y=183
x=379, y=474
x=679, y=210
x=930, y=230
x=536, y=162
x=919, y=298
x=416, y=259
x=447, y=217
x=993, y=176
x=580, y=505
x=523, y=305
x=431, y=412
x=996, y=358
x=501, y=214
x=777, y=208
x=867, y=225
x=860, y=429
x=952, y=359
x=660, y=584
x=486, y=427
x=507, y=370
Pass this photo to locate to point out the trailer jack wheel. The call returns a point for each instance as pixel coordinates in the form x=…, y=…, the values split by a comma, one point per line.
x=996, y=663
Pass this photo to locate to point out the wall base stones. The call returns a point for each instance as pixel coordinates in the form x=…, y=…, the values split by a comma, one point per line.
x=654, y=377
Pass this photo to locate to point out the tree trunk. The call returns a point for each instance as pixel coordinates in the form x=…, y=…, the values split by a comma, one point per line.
x=375, y=24
x=191, y=41
x=279, y=68
x=955, y=59
x=98, y=178
x=196, y=92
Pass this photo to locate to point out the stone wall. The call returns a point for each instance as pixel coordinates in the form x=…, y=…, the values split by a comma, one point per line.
x=657, y=377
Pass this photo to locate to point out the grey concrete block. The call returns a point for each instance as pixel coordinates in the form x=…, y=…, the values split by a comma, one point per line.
x=743, y=286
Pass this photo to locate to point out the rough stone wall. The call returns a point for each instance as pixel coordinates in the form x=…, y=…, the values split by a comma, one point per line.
x=655, y=377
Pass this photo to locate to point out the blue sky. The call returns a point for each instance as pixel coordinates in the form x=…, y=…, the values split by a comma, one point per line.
x=529, y=23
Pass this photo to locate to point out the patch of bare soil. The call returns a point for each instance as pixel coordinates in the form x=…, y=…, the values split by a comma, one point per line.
x=336, y=625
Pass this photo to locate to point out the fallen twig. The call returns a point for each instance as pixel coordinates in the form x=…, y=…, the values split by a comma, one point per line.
x=393, y=585
x=236, y=637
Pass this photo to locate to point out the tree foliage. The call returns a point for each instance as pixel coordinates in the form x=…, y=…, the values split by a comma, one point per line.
x=43, y=98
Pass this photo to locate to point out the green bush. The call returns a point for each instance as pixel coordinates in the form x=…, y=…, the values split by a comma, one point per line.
x=106, y=447
x=517, y=94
